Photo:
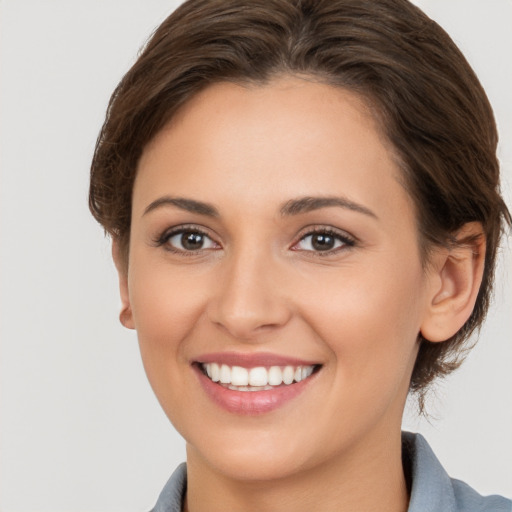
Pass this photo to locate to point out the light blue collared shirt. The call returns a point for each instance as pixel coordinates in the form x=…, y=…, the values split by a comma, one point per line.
x=432, y=489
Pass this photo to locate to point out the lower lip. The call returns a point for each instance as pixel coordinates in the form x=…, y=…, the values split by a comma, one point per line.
x=251, y=402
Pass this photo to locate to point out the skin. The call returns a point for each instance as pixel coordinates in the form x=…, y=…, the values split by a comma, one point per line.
x=258, y=286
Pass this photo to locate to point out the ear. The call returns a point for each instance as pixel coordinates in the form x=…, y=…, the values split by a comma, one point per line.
x=455, y=280
x=125, y=316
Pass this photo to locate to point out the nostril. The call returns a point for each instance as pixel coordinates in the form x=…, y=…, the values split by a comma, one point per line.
x=247, y=324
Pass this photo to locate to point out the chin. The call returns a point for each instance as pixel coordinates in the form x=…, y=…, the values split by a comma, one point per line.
x=260, y=467
x=246, y=457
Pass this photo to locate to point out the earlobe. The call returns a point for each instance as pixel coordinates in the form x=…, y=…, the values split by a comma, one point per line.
x=455, y=281
x=126, y=315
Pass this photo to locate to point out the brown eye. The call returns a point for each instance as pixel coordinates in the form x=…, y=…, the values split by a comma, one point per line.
x=189, y=241
x=323, y=241
x=192, y=241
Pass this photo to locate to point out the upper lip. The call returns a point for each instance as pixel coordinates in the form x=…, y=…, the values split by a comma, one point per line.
x=252, y=360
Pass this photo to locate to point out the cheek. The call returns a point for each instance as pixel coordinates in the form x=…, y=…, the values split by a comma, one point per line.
x=369, y=318
x=166, y=307
x=164, y=298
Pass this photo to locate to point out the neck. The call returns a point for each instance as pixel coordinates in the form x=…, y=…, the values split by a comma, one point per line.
x=368, y=478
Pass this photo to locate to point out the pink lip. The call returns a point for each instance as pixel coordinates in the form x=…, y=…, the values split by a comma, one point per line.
x=247, y=360
x=251, y=402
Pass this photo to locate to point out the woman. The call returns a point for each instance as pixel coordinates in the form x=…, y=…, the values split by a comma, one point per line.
x=304, y=204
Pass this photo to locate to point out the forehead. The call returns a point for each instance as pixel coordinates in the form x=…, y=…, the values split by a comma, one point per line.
x=281, y=106
x=258, y=144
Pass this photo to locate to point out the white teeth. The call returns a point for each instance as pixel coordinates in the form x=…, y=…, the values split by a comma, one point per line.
x=248, y=388
x=275, y=376
x=258, y=378
x=215, y=371
x=225, y=374
x=288, y=374
x=239, y=376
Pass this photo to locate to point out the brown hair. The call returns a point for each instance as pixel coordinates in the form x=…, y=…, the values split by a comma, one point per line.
x=428, y=100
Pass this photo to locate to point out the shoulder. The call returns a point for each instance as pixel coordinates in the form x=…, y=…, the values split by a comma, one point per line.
x=172, y=495
x=468, y=499
x=432, y=490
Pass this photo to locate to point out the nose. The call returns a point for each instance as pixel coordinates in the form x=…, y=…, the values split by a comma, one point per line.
x=250, y=299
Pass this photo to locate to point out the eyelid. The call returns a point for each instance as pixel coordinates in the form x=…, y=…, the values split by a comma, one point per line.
x=163, y=238
x=347, y=239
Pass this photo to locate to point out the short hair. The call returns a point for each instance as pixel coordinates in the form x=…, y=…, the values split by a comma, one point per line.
x=420, y=88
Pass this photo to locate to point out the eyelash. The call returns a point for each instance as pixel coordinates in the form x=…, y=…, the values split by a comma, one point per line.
x=164, y=238
x=346, y=240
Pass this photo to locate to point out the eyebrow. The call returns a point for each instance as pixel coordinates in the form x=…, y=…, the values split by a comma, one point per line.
x=309, y=203
x=291, y=207
x=189, y=205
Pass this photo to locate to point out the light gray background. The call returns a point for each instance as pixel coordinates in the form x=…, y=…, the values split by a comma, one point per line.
x=80, y=428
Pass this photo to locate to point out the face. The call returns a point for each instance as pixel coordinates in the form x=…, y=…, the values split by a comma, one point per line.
x=271, y=239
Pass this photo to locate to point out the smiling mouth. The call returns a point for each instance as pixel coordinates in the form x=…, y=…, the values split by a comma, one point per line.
x=259, y=378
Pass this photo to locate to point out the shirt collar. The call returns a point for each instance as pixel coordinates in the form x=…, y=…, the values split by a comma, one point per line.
x=432, y=488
